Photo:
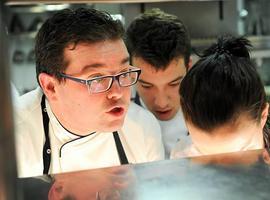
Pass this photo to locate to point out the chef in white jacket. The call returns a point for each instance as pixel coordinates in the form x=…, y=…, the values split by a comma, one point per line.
x=80, y=117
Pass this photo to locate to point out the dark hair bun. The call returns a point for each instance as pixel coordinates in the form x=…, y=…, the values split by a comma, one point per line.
x=229, y=46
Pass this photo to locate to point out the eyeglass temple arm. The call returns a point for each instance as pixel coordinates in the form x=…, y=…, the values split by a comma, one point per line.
x=74, y=79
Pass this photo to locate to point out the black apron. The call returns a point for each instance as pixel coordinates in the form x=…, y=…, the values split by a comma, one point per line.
x=47, y=146
x=137, y=99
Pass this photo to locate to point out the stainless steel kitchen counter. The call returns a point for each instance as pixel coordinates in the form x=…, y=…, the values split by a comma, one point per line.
x=241, y=175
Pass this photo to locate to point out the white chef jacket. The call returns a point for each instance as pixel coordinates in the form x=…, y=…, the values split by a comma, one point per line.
x=140, y=137
x=173, y=131
x=14, y=93
x=183, y=150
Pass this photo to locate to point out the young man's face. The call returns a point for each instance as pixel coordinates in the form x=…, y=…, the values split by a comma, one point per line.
x=86, y=112
x=159, y=89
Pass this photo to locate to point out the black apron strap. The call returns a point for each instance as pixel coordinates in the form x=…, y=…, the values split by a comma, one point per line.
x=137, y=99
x=121, y=152
x=47, y=145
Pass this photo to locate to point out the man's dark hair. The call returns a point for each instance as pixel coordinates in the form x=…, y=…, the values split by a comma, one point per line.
x=158, y=38
x=223, y=85
x=70, y=27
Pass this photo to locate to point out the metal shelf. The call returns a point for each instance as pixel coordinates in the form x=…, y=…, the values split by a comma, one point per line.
x=27, y=2
x=38, y=8
x=25, y=35
x=261, y=44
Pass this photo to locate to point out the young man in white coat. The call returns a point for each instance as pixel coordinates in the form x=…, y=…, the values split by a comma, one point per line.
x=79, y=117
x=159, y=44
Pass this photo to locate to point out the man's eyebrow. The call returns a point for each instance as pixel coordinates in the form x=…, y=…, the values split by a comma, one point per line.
x=94, y=65
x=177, y=79
x=144, y=82
x=97, y=65
x=125, y=60
x=174, y=80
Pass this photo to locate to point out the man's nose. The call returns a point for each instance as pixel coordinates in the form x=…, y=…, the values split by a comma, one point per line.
x=161, y=100
x=116, y=91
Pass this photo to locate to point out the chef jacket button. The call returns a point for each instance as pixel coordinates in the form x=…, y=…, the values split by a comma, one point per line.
x=48, y=151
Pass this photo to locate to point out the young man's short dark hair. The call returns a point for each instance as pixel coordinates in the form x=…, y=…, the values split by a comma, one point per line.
x=158, y=38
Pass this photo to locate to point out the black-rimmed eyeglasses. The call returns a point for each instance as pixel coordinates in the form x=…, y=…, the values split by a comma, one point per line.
x=104, y=83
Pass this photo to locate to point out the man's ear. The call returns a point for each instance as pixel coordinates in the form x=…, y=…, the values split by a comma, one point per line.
x=189, y=63
x=47, y=83
x=264, y=115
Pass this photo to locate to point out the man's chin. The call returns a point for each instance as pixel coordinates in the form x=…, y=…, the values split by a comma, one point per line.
x=165, y=116
x=164, y=119
x=113, y=126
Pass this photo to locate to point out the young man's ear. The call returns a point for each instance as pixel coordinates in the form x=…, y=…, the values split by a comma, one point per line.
x=264, y=115
x=47, y=83
x=189, y=63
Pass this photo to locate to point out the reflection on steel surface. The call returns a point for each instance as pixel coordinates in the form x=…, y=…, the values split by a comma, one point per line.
x=241, y=175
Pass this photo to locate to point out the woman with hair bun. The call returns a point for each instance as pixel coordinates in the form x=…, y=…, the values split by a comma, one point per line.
x=224, y=102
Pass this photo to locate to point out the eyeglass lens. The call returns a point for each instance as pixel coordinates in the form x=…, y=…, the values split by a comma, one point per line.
x=104, y=83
